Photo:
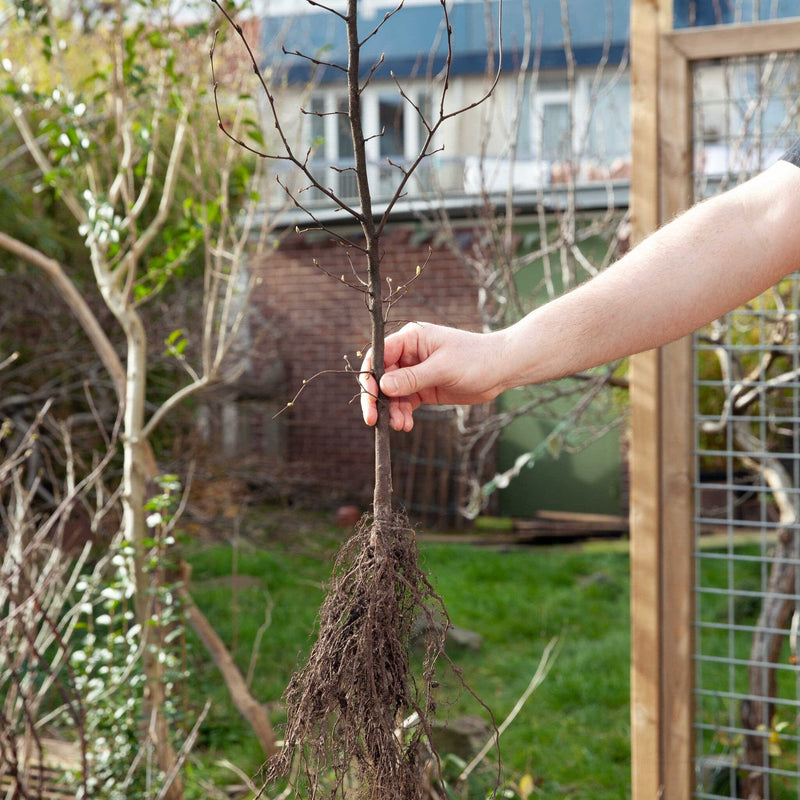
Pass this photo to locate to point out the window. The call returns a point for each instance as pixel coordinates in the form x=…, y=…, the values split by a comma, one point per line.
x=610, y=124
x=390, y=123
x=548, y=132
x=392, y=128
x=598, y=143
x=329, y=130
x=554, y=129
x=344, y=139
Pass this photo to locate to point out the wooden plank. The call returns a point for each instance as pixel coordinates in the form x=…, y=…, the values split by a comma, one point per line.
x=581, y=518
x=677, y=573
x=718, y=41
x=44, y=774
x=445, y=473
x=675, y=135
x=49, y=790
x=645, y=508
x=569, y=526
x=428, y=434
x=645, y=30
x=676, y=402
x=649, y=20
x=406, y=452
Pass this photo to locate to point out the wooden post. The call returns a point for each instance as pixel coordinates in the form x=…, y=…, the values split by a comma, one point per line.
x=646, y=26
x=677, y=454
x=661, y=403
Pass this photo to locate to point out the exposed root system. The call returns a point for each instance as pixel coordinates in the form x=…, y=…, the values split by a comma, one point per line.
x=345, y=709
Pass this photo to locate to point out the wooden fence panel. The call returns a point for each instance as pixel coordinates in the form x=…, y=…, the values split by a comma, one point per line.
x=663, y=532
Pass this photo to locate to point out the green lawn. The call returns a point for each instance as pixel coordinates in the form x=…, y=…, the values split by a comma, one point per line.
x=571, y=736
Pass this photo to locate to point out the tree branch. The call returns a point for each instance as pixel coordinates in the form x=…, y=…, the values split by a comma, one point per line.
x=288, y=151
x=246, y=704
x=43, y=163
x=78, y=306
x=443, y=117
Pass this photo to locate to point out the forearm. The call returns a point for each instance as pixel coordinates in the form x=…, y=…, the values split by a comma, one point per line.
x=713, y=258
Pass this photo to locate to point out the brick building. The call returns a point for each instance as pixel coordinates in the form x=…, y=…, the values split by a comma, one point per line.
x=572, y=150
x=320, y=320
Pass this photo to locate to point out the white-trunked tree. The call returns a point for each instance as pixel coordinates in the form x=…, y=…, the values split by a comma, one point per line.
x=115, y=120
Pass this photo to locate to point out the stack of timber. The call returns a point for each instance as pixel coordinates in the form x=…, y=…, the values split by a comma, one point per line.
x=565, y=526
x=43, y=777
x=544, y=527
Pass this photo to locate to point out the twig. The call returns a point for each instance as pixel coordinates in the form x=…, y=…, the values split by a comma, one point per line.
x=326, y=8
x=315, y=61
x=184, y=752
x=361, y=286
x=348, y=371
x=385, y=19
x=545, y=663
x=240, y=773
x=8, y=361
x=262, y=629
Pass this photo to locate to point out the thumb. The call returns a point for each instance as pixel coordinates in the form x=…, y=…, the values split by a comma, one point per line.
x=401, y=382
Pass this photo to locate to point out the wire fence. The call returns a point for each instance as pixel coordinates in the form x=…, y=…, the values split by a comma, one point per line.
x=747, y=466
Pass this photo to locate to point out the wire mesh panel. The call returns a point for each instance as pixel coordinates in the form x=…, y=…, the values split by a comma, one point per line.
x=747, y=466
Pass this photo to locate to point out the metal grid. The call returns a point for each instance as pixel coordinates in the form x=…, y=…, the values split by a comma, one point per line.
x=747, y=467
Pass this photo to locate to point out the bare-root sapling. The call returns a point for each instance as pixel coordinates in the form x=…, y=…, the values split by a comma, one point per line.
x=358, y=719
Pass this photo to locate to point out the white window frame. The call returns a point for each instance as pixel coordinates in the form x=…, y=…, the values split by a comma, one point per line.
x=541, y=100
x=376, y=163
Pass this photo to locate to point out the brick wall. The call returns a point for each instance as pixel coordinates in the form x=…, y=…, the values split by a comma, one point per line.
x=319, y=320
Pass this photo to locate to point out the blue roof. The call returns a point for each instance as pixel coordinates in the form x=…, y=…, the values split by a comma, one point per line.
x=690, y=13
x=413, y=42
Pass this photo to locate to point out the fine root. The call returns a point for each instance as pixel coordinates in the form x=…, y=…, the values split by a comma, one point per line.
x=346, y=706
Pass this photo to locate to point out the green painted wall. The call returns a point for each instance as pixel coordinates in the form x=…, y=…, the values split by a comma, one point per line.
x=590, y=480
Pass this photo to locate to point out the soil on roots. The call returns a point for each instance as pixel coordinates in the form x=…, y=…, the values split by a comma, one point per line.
x=346, y=706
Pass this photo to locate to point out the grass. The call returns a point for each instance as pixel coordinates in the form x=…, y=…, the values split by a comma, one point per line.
x=572, y=736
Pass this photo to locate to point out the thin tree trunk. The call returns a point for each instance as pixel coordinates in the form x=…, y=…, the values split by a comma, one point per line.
x=776, y=609
x=247, y=705
x=757, y=710
x=134, y=499
x=382, y=497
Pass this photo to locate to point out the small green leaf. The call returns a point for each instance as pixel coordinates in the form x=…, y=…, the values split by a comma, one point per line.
x=554, y=445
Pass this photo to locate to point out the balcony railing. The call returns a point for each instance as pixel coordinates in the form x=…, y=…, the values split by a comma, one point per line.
x=454, y=182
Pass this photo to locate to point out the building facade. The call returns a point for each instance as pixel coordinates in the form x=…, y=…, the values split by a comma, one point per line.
x=551, y=140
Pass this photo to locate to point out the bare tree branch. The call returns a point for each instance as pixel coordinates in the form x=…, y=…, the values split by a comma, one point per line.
x=79, y=307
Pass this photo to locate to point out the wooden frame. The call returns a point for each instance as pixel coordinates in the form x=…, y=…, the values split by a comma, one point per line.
x=649, y=21
x=662, y=534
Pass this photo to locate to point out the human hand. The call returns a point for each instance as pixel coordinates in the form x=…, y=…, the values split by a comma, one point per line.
x=430, y=364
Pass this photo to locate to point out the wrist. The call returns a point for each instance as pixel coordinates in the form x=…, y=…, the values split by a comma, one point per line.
x=505, y=360
x=524, y=353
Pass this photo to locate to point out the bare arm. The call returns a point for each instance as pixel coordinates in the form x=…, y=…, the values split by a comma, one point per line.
x=711, y=259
